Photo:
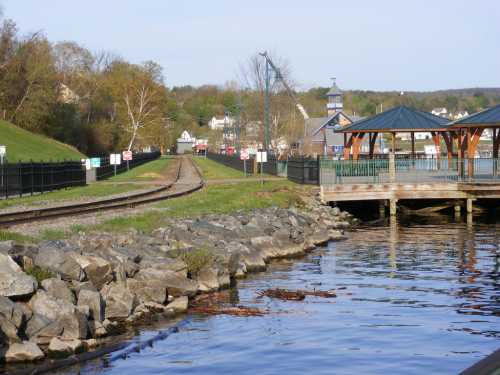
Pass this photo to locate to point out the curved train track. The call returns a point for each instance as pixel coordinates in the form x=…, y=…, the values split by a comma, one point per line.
x=166, y=191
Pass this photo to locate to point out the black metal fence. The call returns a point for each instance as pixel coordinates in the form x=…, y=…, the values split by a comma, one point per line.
x=107, y=170
x=271, y=167
x=18, y=179
x=233, y=162
x=303, y=170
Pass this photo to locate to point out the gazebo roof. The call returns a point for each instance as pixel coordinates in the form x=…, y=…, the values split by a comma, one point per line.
x=488, y=117
x=398, y=119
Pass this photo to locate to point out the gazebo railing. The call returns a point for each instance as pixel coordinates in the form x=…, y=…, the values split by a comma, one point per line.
x=433, y=170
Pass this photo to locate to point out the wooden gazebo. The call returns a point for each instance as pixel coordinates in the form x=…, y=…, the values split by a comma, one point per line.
x=396, y=120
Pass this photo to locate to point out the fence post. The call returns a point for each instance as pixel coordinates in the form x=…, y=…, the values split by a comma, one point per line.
x=32, y=177
x=20, y=176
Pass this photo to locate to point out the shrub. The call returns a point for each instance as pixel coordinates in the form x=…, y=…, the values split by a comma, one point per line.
x=196, y=259
x=39, y=273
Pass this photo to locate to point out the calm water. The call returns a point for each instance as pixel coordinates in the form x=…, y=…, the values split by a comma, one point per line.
x=418, y=300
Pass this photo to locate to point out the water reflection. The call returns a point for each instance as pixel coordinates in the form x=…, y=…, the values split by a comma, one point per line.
x=419, y=298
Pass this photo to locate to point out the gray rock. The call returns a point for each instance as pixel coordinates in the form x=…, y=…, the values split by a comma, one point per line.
x=23, y=352
x=14, y=282
x=52, y=308
x=208, y=279
x=94, y=301
x=47, y=333
x=61, y=262
x=75, y=325
x=61, y=348
x=36, y=324
x=8, y=331
x=148, y=291
x=98, y=270
x=120, y=302
x=176, y=285
x=58, y=289
x=179, y=305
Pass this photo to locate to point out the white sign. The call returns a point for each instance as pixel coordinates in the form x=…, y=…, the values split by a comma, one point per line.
x=244, y=155
x=88, y=166
x=261, y=156
x=3, y=150
x=115, y=159
x=127, y=155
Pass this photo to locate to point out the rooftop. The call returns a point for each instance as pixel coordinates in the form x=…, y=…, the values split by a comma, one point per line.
x=398, y=119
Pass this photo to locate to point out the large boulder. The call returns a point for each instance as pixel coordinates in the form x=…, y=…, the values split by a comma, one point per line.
x=36, y=324
x=44, y=304
x=58, y=289
x=98, y=270
x=13, y=281
x=75, y=325
x=176, y=284
x=120, y=302
x=61, y=261
x=22, y=352
x=61, y=348
x=148, y=290
x=95, y=303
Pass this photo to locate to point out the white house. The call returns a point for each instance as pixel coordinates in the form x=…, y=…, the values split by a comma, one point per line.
x=218, y=123
x=418, y=136
x=460, y=114
x=441, y=111
x=185, y=143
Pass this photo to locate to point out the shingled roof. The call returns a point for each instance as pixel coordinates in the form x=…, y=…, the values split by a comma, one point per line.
x=398, y=119
x=488, y=117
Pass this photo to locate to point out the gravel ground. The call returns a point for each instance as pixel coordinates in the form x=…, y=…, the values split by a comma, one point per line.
x=188, y=178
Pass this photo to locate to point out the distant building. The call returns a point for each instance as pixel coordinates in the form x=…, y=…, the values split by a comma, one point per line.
x=460, y=114
x=419, y=136
x=320, y=137
x=185, y=143
x=440, y=111
x=218, y=123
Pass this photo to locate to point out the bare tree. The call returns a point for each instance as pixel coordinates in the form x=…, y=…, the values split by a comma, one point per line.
x=140, y=110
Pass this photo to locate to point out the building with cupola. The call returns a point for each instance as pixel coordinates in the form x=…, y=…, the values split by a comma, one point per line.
x=321, y=138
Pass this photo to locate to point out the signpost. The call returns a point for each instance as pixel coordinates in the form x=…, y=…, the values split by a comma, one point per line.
x=244, y=155
x=262, y=158
x=115, y=159
x=95, y=162
x=3, y=151
x=127, y=156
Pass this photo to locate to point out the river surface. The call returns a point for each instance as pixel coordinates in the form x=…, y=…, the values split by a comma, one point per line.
x=419, y=299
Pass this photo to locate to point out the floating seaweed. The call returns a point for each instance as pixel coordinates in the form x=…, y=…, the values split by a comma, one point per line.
x=295, y=295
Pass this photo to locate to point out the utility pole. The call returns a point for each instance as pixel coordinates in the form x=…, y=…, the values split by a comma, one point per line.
x=267, y=103
x=238, y=127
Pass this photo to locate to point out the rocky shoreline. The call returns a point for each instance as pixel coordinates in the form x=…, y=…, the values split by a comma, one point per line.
x=58, y=298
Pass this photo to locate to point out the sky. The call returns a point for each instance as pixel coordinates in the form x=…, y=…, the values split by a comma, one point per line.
x=408, y=45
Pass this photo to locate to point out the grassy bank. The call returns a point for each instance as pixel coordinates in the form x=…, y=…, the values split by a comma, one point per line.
x=215, y=171
x=154, y=170
x=25, y=146
x=216, y=199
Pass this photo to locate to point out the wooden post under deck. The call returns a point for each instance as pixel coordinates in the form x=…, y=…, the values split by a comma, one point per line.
x=437, y=145
x=392, y=159
x=412, y=145
x=347, y=148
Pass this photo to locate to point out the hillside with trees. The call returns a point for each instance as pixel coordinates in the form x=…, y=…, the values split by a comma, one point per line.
x=100, y=102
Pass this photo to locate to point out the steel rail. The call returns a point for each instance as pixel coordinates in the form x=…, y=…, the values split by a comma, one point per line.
x=129, y=201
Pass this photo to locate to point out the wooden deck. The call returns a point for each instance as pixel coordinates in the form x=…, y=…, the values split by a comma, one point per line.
x=397, y=191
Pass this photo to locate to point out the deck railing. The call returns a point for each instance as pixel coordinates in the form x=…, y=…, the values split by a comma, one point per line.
x=378, y=171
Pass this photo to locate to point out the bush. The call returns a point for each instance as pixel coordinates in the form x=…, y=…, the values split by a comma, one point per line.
x=196, y=259
x=39, y=273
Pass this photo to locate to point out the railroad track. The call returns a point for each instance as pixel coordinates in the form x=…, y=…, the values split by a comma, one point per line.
x=128, y=201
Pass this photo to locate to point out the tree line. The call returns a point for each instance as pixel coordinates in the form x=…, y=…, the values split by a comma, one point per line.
x=99, y=102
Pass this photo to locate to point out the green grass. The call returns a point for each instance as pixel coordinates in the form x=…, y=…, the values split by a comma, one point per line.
x=214, y=199
x=96, y=190
x=18, y=237
x=216, y=171
x=39, y=273
x=153, y=170
x=25, y=146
